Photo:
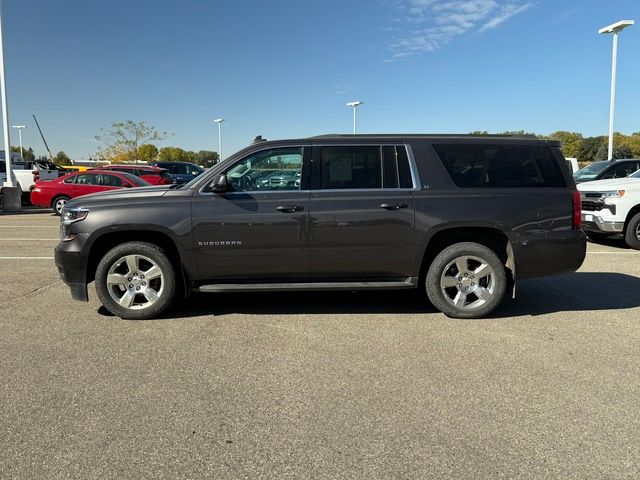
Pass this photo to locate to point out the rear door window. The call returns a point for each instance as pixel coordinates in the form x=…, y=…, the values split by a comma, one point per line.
x=111, y=180
x=181, y=169
x=351, y=168
x=500, y=166
x=87, y=179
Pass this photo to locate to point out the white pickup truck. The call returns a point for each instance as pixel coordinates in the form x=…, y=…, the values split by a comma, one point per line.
x=25, y=174
x=612, y=207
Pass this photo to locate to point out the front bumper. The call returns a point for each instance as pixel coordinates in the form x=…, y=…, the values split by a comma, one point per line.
x=592, y=222
x=72, y=268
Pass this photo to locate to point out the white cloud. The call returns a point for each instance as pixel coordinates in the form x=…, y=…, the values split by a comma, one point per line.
x=506, y=12
x=431, y=24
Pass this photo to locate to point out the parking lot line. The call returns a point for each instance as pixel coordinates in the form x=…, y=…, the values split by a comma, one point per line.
x=25, y=239
x=612, y=253
x=26, y=258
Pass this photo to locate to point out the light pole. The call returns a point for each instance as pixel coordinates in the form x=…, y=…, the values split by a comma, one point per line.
x=354, y=105
x=20, y=127
x=219, y=122
x=5, y=110
x=614, y=28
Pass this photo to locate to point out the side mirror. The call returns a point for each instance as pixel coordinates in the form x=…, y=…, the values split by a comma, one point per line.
x=220, y=184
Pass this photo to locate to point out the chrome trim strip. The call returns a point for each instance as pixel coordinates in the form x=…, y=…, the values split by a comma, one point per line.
x=409, y=282
x=413, y=168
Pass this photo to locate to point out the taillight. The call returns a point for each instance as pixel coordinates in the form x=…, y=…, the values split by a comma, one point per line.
x=577, y=210
x=36, y=175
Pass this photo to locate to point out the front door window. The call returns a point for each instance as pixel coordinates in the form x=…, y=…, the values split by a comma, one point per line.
x=270, y=170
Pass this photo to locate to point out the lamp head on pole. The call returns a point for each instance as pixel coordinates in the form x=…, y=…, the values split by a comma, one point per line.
x=617, y=27
x=219, y=120
x=354, y=104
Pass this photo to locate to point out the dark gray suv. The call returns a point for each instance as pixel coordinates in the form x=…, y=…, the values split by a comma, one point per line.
x=459, y=217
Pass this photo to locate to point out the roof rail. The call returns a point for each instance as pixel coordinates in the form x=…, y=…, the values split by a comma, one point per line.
x=414, y=135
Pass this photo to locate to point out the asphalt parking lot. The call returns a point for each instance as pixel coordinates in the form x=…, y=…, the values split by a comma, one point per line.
x=322, y=385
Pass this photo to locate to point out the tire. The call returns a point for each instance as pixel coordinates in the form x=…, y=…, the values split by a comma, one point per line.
x=458, y=288
x=632, y=234
x=58, y=203
x=136, y=281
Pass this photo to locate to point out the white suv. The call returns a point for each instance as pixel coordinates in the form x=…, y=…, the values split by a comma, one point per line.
x=612, y=207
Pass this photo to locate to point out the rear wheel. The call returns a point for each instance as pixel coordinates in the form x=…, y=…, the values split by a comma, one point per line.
x=136, y=281
x=632, y=235
x=466, y=280
x=58, y=204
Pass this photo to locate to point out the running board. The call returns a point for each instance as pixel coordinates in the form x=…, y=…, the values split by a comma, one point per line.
x=409, y=282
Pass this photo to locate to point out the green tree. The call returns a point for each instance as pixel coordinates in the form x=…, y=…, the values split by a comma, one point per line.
x=172, y=154
x=122, y=141
x=27, y=154
x=590, y=147
x=619, y=151
x=206, y=158
x=571, y=142
x=62, y=158
x=147, y=152
x=519, y=132
x=630, y=141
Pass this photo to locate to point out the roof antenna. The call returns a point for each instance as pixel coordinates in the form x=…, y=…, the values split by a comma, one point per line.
x=258, y=139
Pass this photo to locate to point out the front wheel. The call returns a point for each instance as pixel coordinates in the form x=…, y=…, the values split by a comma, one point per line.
x=632, y=235
x=136, y=281
x=466, y=280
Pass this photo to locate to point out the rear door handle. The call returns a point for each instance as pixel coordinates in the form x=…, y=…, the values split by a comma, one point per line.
x=290, y=208
x=394, y=206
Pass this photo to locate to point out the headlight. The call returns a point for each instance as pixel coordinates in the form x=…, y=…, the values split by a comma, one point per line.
x=69, y=217
x=613, y=194
x=72, y=215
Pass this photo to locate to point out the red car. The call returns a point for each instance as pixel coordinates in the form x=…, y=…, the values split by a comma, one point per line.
x=153, y=175
x=56, y=193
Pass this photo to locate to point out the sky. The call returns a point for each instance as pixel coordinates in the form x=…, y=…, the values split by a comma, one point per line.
x=286, y=68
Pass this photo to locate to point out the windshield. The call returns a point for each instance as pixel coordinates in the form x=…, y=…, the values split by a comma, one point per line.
x=590, y=171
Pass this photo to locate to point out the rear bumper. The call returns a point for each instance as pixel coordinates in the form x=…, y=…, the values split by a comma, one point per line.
x=72, y=268
x=38, y=199
x=551, y=254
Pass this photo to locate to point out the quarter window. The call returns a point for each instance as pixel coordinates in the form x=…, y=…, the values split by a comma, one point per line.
x=270, y=170
x=500, y=166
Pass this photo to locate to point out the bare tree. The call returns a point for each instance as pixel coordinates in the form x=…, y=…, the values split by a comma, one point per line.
x=121, y=143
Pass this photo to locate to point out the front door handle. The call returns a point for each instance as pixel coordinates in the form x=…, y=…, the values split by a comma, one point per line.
x=290, y=208
x=394, y=206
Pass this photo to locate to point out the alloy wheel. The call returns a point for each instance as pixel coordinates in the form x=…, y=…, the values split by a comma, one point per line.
x=467, y=282
x=135, y=282
x=59, y=205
